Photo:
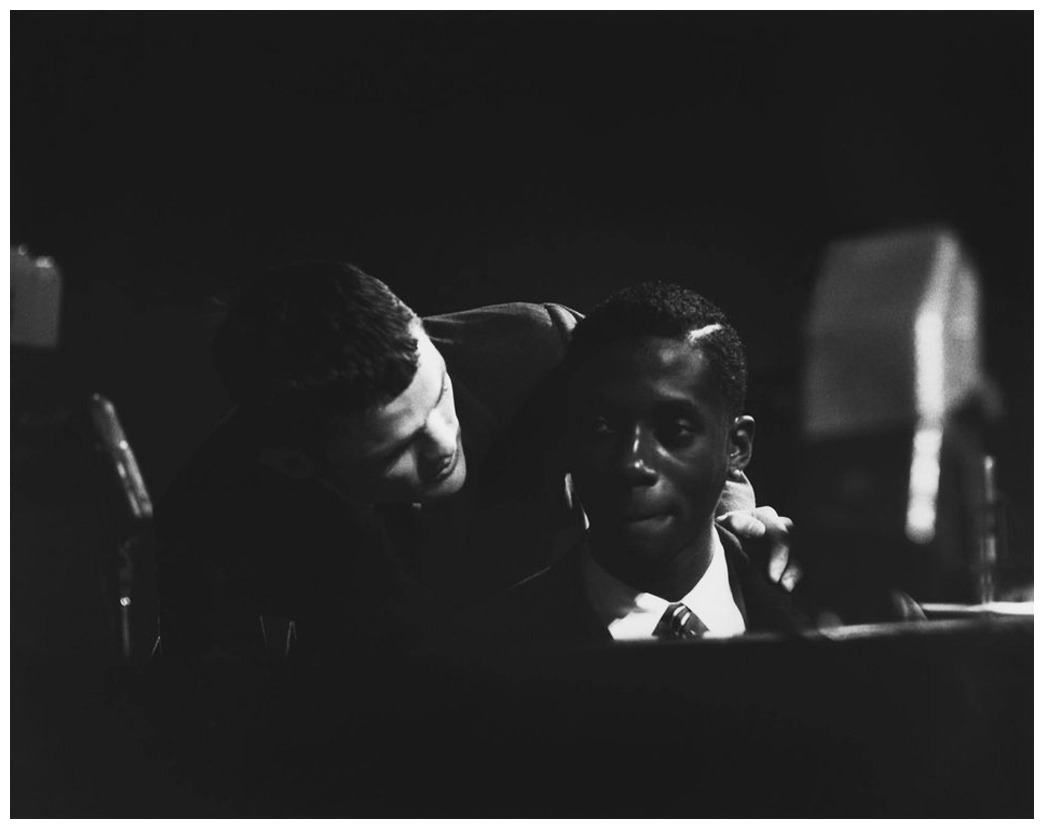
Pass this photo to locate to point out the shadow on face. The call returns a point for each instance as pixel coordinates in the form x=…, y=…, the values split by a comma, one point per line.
x=650, y=444
x=405, y=451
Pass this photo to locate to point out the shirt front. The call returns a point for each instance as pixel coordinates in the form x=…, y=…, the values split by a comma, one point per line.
x=631, y=614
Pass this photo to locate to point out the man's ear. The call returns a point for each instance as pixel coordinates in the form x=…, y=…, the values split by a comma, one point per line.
x=290, y=462
x=741, y=445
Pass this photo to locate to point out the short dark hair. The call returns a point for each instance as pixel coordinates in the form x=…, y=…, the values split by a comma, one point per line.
x=663, y=309
x=323, y=336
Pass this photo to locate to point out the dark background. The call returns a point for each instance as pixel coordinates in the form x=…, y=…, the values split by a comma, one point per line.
x=474, y=158
x=471, y=158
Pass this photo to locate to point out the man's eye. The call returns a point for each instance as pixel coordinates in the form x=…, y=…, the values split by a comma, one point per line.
x=677, y=430
x=386, y=462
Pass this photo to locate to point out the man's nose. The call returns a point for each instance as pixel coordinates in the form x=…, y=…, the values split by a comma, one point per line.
x=440, y=436
x=636, y=460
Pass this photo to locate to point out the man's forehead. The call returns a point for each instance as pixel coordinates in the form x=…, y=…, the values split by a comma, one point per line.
x=671, y=369
x=685, y=353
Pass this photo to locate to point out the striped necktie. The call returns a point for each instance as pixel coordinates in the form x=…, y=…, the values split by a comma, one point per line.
x=678, y=622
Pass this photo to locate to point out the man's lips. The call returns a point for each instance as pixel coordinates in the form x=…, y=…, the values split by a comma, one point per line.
x=447, y=467
x=641, y=508
x=645, y=516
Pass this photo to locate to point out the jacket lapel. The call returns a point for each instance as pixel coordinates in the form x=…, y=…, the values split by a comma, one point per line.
x=765, y=606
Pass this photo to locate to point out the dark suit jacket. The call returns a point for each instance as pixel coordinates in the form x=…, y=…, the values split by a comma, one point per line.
x=551, y=609
x=239, y=541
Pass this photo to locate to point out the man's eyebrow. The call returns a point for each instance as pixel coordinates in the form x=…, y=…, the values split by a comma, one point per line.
x=679, y=406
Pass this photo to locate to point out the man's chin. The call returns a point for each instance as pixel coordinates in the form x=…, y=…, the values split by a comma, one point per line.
x=652, y=539
x=648, y=534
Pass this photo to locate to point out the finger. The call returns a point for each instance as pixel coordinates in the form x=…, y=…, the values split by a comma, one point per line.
x=765, y=514
x=776, y=525
x=780, y=535
x=743, y=524
x=791, y=578
x=779, y=556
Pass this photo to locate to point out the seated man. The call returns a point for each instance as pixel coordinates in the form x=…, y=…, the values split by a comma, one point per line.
x=359, y=489
x=655, y=432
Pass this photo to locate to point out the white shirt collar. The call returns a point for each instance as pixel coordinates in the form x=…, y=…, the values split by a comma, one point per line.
x=632, y=614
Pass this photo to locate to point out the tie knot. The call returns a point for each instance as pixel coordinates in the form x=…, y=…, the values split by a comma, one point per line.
x=678, y=622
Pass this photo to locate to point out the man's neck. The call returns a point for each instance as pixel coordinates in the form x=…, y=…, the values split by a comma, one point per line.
x=670, y=578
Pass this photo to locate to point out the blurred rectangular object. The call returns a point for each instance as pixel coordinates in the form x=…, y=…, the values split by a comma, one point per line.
x=36, y=295
x=893, y=420
x=893, y=338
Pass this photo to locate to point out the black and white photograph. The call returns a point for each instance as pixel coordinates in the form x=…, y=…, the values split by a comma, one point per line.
x=521, y=413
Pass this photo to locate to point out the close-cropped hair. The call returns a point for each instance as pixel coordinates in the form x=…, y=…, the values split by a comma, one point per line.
x=319, y=336
x=664, y=309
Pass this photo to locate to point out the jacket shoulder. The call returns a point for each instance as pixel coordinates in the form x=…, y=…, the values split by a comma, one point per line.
x=502, y=353
x=768, y=608
x=547, y=322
